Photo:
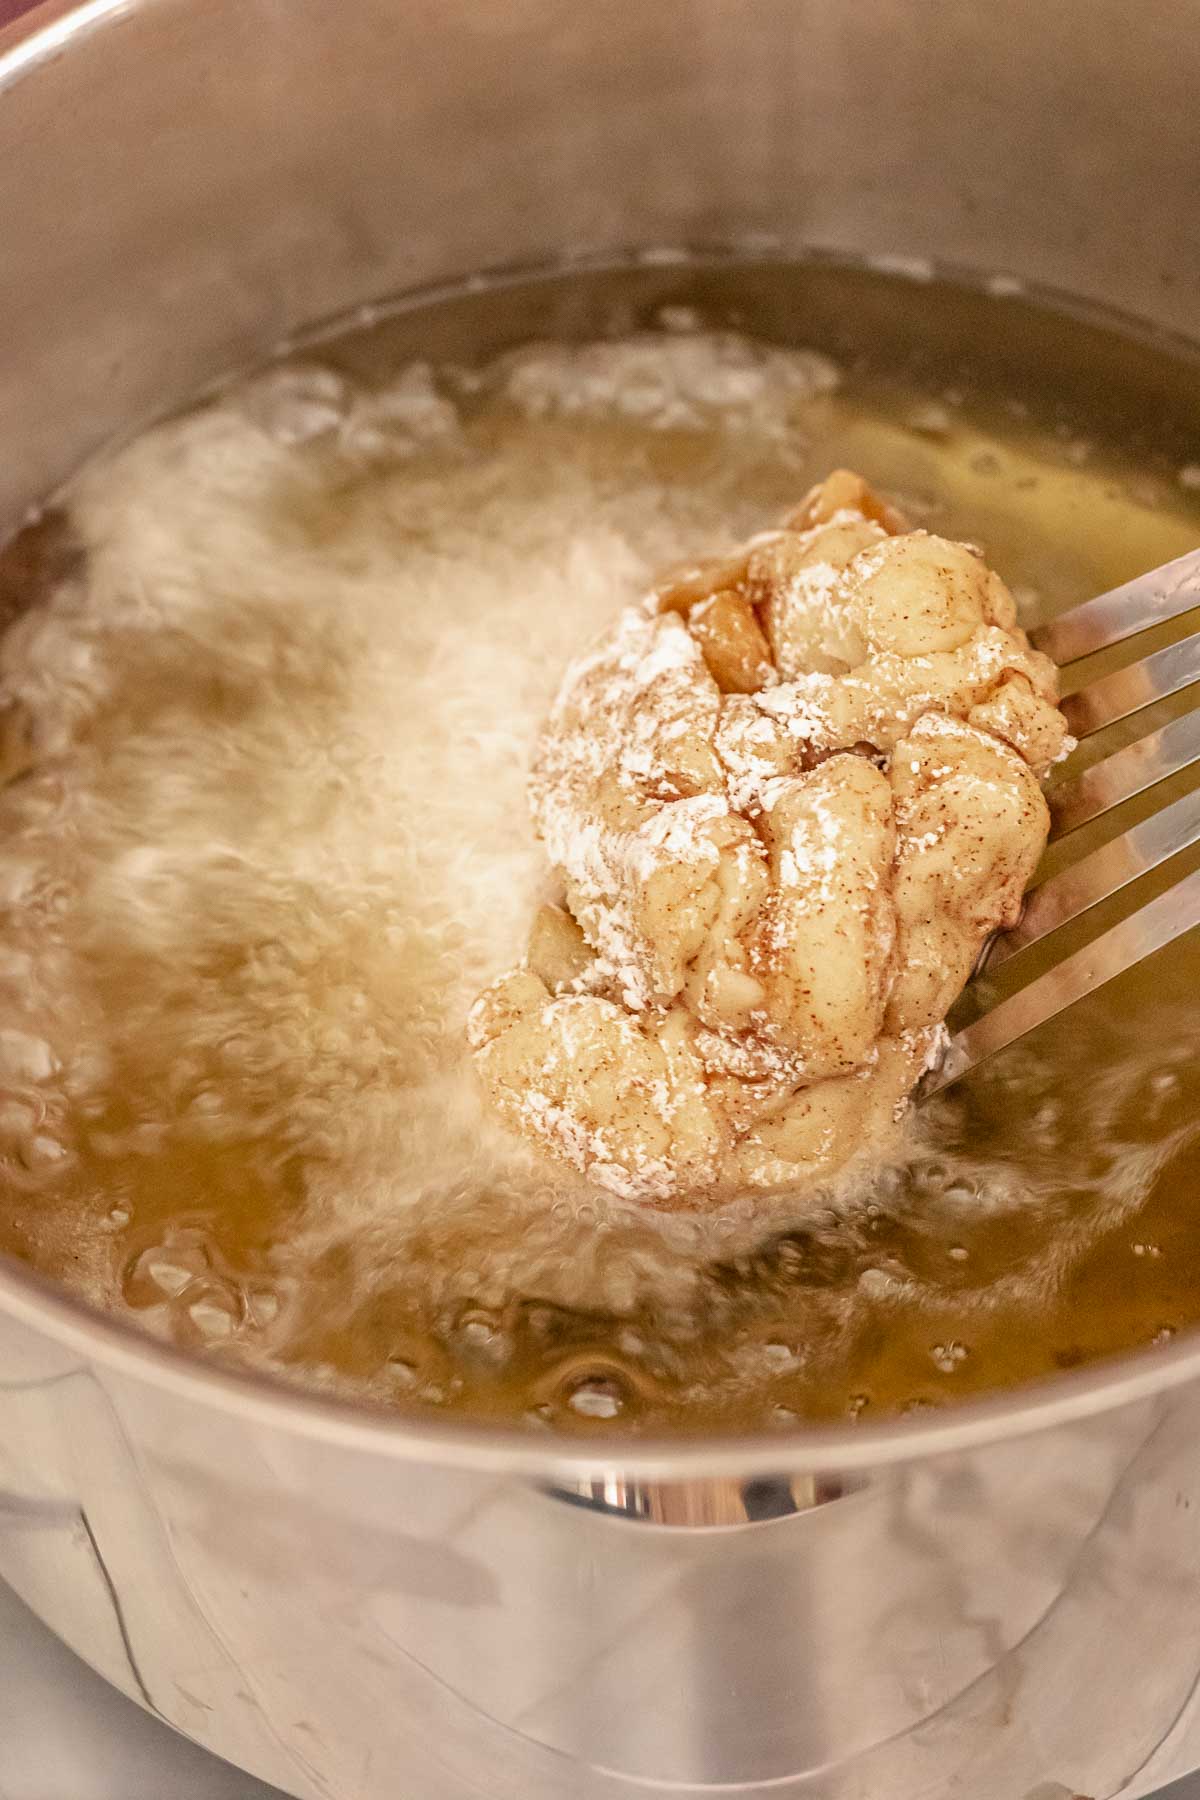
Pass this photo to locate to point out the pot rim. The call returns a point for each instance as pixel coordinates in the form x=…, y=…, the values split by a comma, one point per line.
x=42, y=35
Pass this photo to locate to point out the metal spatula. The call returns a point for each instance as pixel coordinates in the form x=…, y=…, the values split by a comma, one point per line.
x=1155, y=599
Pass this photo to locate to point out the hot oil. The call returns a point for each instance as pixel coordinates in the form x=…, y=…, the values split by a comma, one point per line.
x=277, y=677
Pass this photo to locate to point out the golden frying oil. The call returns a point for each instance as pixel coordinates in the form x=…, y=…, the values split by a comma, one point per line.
x=1043, y=1215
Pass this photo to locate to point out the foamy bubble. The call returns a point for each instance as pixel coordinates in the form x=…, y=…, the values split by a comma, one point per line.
x=297, y=402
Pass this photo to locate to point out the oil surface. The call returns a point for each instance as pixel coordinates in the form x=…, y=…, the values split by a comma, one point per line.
x=275, y=673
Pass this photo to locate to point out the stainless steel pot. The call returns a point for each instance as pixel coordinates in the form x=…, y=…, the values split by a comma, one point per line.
x=996, y=1603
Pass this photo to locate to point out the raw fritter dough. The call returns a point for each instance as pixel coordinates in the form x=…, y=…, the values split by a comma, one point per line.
x=787, y=799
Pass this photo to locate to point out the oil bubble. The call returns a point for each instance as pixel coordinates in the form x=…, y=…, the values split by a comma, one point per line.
x=215, y=1313
x=985, y=462
x=930, y=419
x=481, y=1337
x=264, y=1306
x=166, y=1270
x=41, y=1153
x=596, y=1397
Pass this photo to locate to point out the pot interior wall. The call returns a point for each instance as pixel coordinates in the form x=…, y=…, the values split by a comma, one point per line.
x=183, y=186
